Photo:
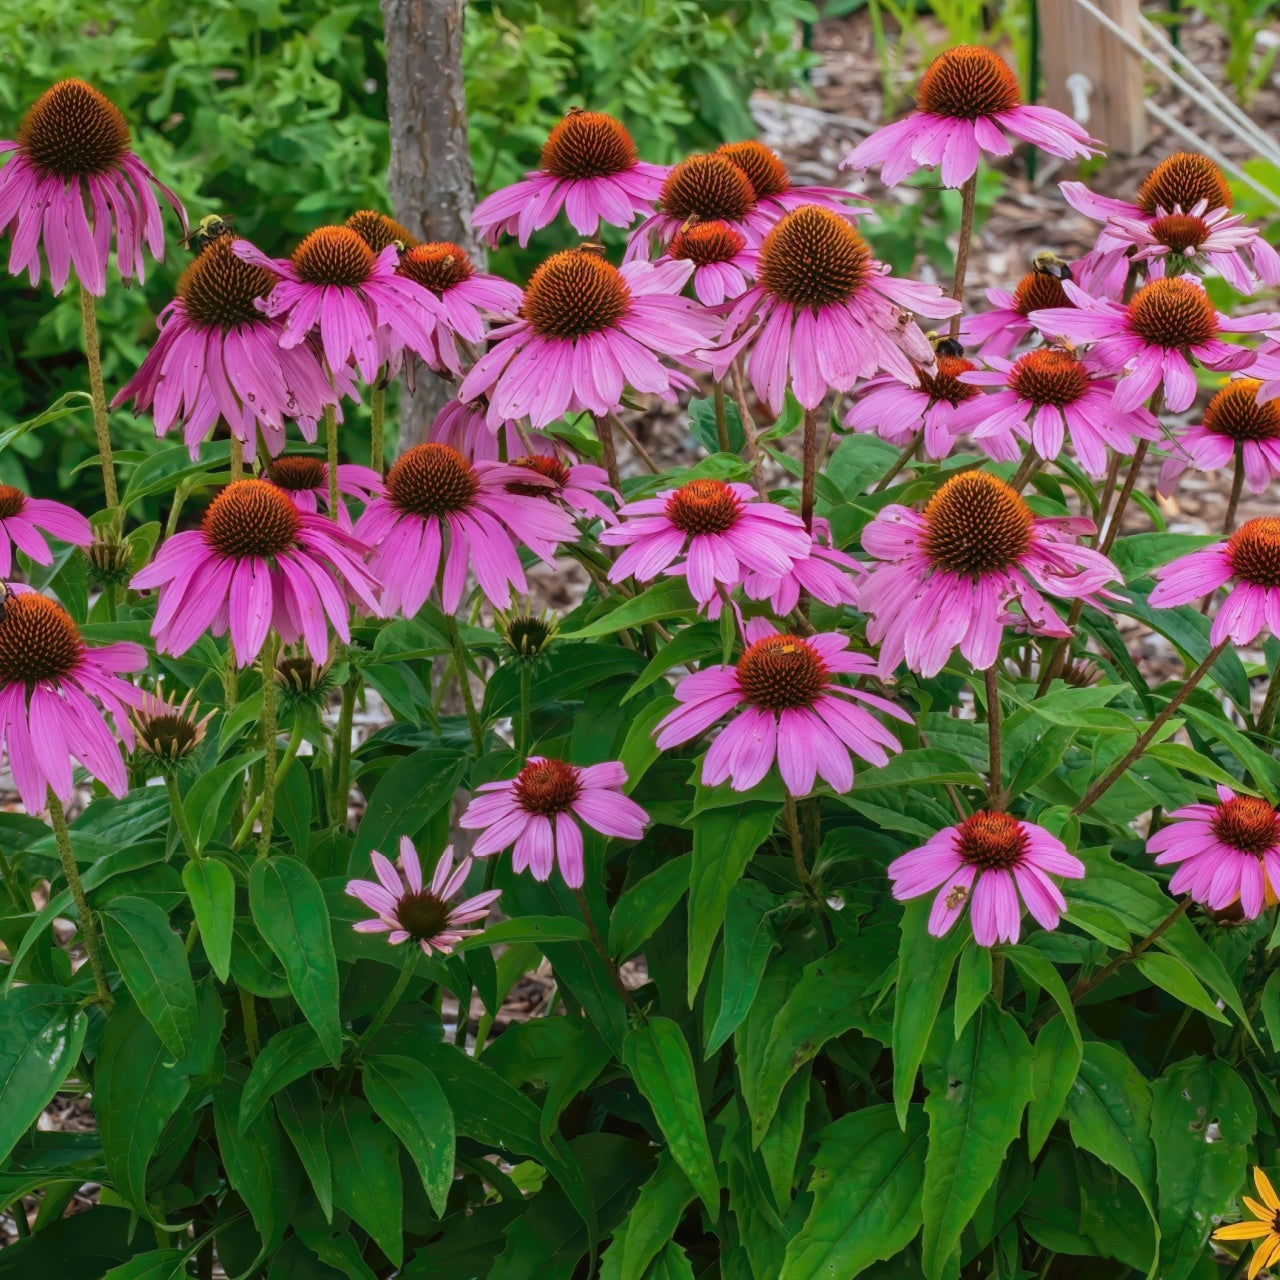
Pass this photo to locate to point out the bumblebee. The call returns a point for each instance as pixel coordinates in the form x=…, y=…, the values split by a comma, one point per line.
x=6, y=594
x=1047, y=263
x=206, y=231
x=943, y=345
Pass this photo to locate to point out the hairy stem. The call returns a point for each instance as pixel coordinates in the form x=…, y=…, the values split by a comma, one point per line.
x=749, y=430
x=722, y=420
x=331, y=450
x=377, y=416
x=267, y=660
x=523, y=724
x=93, y=353
x=791, y=821
x=412, y=952
x=609, y=452
x=464, y=683
x=995, y=789
x=1237, y=484
x=88, y=924
x=968, y=198
x=342, y=750
x=810, y=473
x=641, y=452
x=904, y=458
x=599, y=942
x=1117, y=516
x=180, y=818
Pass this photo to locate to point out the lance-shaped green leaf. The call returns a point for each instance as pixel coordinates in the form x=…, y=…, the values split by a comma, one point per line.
x=405, y=1094
x=211, y=890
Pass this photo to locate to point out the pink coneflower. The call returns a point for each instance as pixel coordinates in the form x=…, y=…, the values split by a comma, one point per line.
x=1229, y=851
x=995, y=862
x=588, y=330
x=439, y=509
x=967, y=103
x=23, y=520
x=542, y=810
x=74, y=144
x=950, y=573
x=466, y=296
x=717, y=532
x=408, y=910
x=257, y=562
x=588, y=168
x=575, y=484
x=1233, y=419
x=377, y=231
x=463, y=425
x=772, y=186
x=722, y=263
x=1047, y=396
x=1252, y=557
x=53, y=691
x=218, y=356
x=896, y=411
x=336, y=286
x=997, y=331
x=824, y=313
x=791, y=707
x=305, y=479
x=826, y=573
x=1152, y=336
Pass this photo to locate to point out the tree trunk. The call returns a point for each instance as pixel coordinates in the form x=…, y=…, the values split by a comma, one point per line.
x=430, y=178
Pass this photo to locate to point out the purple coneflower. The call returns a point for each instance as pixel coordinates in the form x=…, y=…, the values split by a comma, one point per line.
x=575, y=484
x=305, y=479
x=722, y=263
x=827, y=574
x=771, y=183
x=542, y=810
x=23, y=520
x=997, y=331
x=464, y=425
x=1235, y=419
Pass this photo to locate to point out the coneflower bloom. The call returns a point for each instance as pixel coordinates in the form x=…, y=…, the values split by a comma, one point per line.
x=53, y=692
x=1264, y=1226
x=1152, y=337
x=588, y=330
x=997, y=331
x=441, y=515
x=574, y=484
x=968, y=102
x=336, y=286
x=218, y=356
x=711, y=532
x=788, y=705
x=73, y=147
x=993, y=863
x=774, y=191
x=466, y=296
x=722, y=263
x=25, y=521
x=542, y=811
x=1250, y=557
x=589, y=169
x=169, y=732
x=463, y=425
x=824, y=313
x=305, y=479
x=1233, y=419
x=1229, y=851
x=257, y=562
x=896, y=410
x=826, y=573
x=949, y=574
x=377, y=231
x=1048, y=396
x=408, y=910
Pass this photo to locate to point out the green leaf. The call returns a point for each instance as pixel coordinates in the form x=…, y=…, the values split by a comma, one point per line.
x=723, y=842
x=666, y=598
x=1136, y=555
x=1055, y=1061
x=153, y=963
x=286, y=1057
x=405, y=1094
x=1171, y=975
x=653, y=1218
x=867, y=1187
x=369, y=1187
x=211, y=890
x=301, y=1115
x=289, y=909
x=41, y=1034
x=254, y=1163
x=158, y=1264
x=1032, y=967
x=536, y=929
x=749, y=940
x=1202, y=1121
x=203, y=802
x=702, y=425
x=1270, y=1009
x=406, y=798
x=640, y=911
x=973, y=983
x=978, y=1089
x=658, y=1058
x=917, y=767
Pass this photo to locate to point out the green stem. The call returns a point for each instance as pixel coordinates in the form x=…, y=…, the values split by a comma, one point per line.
x=468, y=699
x=1117, y=516
x=609, y=452
x=342, y=748
x=282, y=770
x=331, y=449
x=995, y=789
x=412, y=952
x=93, y=353
x=180, y=817
x=377, y=416
x=749, y=429
x=722, y=421
x=267, y=660
x=904, y=458
x=792, y=822
x=598, y=940
x=524, y=726
x=1237, y=484
x=88, y=925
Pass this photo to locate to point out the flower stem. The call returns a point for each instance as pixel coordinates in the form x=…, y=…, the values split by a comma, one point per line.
x=93, y=353
x=608, y=451
x=180, y=817
x=331, y=448
x=267, y=659
x=1267, y=716
x=968, y=198
x=641, y=452
x=1117, y=516
x=342, y=749
x=903, y=458
x=792, y=823
x=412, y=952
x=1237, y=484
x=464, y=684
x=722, y=420
x=282, y=769
x=88, y=925
x=749, y=430
x=810, y=474
x=523, y=724
x=598, y=940
x=1117, y=770
x=377, y=416
x=235, y=458
x=1026, y=469
x=995, y=788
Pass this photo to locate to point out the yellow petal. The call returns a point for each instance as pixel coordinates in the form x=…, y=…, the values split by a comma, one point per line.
x=1265, y=1189
x=1259, y=1211
x=1263, y=1254
x=1242, y=1231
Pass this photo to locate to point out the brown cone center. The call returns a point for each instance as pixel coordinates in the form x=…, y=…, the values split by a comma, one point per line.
x=1037, y=291
x=967, y=81
x=707, y=188
x=378, y=231
x=38, y=640
x=765, y=171
x=587, y=144
x=707, y=242
x=814, y=258
x=432, y=480
x=704, y=506
x=1246, y=823
x=297, y=472
x=1253, y=551
x=991, y=841
x=73, y=130
x=945, y=384
x=780, y=673
x=547, y=787
x=12, y=501
x=1234, y=412
x=1173, y=312
x=422, y=915
x=976, y=524
x=574, y=293
x=251, y=518
x=218, y=289
x=437, y=266
x=1181, y=182
x=334, y=256
x=1048, y=376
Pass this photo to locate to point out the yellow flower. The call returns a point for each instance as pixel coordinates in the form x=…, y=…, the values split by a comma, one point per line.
x=1265, y=1228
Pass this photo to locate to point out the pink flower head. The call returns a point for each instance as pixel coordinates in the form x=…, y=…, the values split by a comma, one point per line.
x=995, y=862
x=463, y=425
x=1048, y=396
x=257, y=562
x=824, y=313
x=716, y=531
x=1151, y=337
x=722, y=263
x=1235, y=419
x=407, y=909
x=433, y=491
x=23, y=520
x=574, y=484
x=305, y=479
x=589, y=169
x=71, y=144
x=1229, y=851
x=588, y=330
x=827, y=574
x=54, y=690
x=1251, y=556
x=772, y=186
x=1266, y=368
x=466, y=296
x=968, y=102
x=219, y=357
x=363, y=310
x=790, y=707
x=542, y=809
x=997, y=331
x=950, y=573
x=896, y=410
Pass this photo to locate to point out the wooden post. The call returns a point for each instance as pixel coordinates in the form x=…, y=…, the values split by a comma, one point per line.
x=1073, y=41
